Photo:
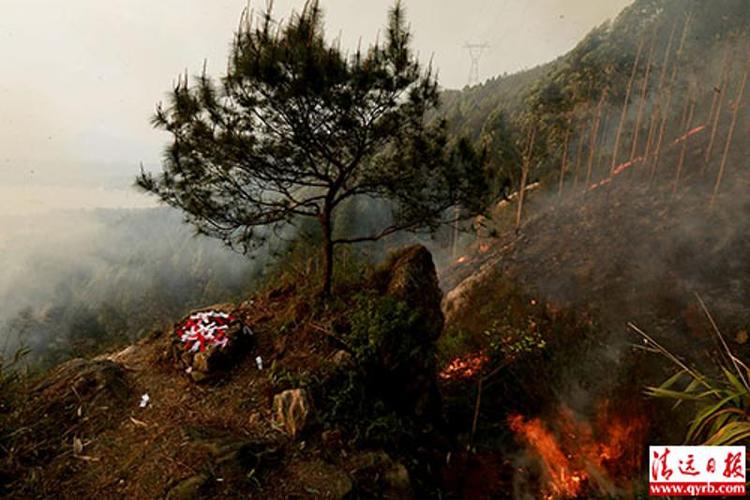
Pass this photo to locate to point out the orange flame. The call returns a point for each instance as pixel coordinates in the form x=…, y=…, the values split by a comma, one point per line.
x=572, y=459
x=465, y=367
x=564, y=479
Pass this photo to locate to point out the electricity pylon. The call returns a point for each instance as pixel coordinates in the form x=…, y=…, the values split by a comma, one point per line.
x=475, y=51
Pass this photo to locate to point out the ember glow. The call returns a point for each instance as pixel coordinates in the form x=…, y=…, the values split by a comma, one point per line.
x=616, y=171
x=462, y=259
x=573, y=461
x=624, y=166
x=465, y=367
x=689, y=134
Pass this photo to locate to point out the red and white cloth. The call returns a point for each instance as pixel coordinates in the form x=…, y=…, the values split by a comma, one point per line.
x=205, y=329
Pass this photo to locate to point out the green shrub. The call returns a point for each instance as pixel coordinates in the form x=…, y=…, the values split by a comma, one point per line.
x=353, y=397
x=381, y=324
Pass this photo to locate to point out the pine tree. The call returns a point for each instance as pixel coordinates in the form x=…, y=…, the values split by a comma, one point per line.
x=297, y=127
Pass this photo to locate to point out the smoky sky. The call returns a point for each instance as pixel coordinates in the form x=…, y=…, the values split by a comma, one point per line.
x=79, y=79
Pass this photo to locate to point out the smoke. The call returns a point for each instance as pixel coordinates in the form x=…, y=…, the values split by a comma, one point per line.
x=74, y=282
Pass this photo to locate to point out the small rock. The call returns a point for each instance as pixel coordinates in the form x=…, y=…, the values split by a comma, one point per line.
x=342, y=359
x=189, y=488
x=291, y=410
x=339, y=486
x=741, y=337
x=332, y=438
x=201, y=361
x=397, y=482
x=319, y=479
x=376, y=474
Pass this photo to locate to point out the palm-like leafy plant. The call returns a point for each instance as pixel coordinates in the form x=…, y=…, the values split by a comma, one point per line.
x=723, y=415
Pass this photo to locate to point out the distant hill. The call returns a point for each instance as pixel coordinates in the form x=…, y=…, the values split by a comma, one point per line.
x=690, y=39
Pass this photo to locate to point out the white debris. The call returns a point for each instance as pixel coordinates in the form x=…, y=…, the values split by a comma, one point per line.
x=145, y=400
x=259, y=362
x=207, y=328
x=77, y=446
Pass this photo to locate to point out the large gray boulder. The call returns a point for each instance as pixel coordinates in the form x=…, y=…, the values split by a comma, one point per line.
x=409, y=275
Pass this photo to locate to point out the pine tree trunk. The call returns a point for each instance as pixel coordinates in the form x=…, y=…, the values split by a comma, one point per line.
x=326, y=226
x=730, y=135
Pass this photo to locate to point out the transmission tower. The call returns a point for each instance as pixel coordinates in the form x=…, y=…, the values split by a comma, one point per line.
x=475, y=53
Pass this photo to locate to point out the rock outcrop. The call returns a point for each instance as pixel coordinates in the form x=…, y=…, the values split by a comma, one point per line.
x=409, y=276
x=213, y=359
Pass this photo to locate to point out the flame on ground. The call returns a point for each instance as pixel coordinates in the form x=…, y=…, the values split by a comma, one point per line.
x=563, y=478
x=573, y=461
x=464, y=367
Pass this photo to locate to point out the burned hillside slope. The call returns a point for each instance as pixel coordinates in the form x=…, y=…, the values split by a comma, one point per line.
x=629, y=253
x=316, y=401
x=537, y=326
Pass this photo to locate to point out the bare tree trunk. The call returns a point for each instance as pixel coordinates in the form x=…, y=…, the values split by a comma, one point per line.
x=667, y=54
x=660, y=139
x=730, y=135
x=600, y=164
x=719, y=98
x=686, y=111
x=669, y=90
x=642, y=104
x=524, y=177
x=656, y=114
x=593, y=140
x=683, y=152
x=579, y=152
x=650, y=139
x=564, y=163
x=624, y=114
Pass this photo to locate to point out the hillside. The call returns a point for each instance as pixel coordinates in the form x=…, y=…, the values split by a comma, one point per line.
x=81, y=429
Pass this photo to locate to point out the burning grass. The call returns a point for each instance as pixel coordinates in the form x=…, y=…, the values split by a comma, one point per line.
x=465, y=367
x=577, y=458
